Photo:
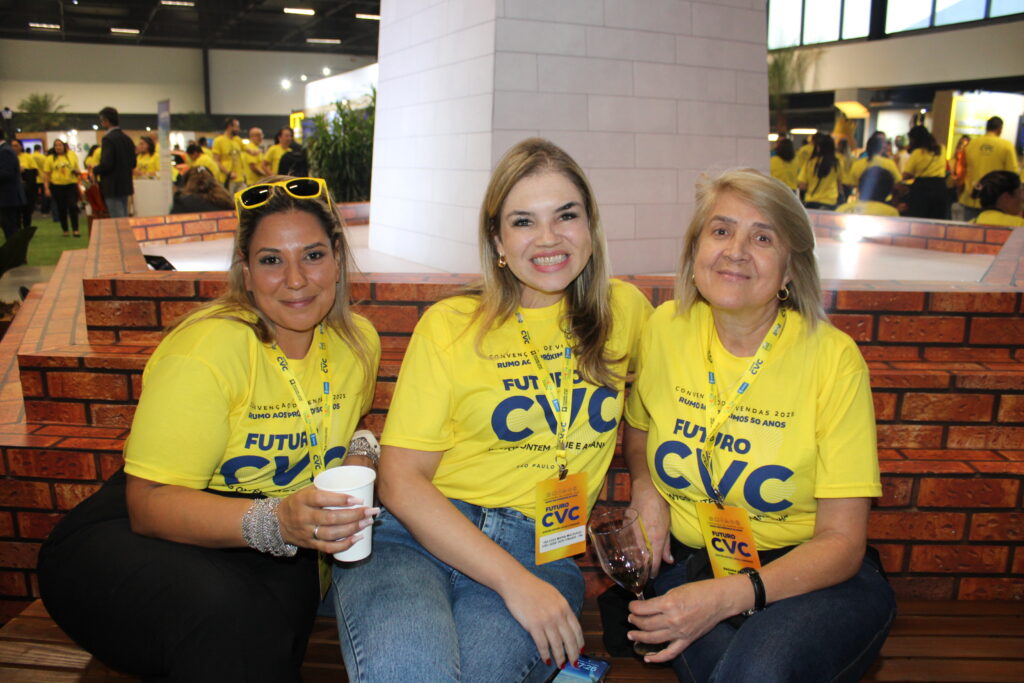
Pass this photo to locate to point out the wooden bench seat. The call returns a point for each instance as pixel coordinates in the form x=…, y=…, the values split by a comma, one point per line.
x=941, y=641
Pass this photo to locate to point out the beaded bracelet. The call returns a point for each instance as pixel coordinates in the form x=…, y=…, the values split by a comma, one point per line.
x=261, y=529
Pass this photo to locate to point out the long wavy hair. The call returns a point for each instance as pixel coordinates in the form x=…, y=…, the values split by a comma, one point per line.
x=238, y=303
x=787, y=216
x=200, y=182
x=589, y=313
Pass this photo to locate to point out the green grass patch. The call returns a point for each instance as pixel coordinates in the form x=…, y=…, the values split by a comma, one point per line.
x=49, y=242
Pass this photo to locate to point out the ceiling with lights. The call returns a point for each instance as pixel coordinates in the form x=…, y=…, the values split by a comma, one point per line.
x=331, y=26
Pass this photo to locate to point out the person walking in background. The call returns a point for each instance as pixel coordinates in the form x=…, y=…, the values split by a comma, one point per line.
x=984, y=154
x=117, y=161
x=874, y=156
x=12, y=192
x=60, y=182
x=227, y=152
x=875, y=185
x=147, y=161
x=282, y=143
x=252, y=157
x=30, y=179
x=40, y=159
x=784, y=163
x=819, y=178
x=927, y=167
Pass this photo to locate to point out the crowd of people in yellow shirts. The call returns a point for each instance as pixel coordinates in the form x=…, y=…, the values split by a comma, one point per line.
x=980, y=182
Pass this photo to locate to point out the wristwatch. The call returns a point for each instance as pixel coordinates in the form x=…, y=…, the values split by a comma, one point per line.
x=759, y=594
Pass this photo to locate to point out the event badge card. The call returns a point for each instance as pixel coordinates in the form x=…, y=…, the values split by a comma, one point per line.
x=728, y=538
x=561, y=518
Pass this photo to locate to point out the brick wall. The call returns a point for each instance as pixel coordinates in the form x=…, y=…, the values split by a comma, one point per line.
x=959, y=238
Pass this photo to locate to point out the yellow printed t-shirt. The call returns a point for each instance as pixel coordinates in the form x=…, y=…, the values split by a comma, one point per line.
x=272, y=157
x=147, y=164
x=786, y=171
x=489, y=414
x=60, y=168
x=822, y=190
x=868, y=208
x=230, y=151
x=94, y=156
x=207, y=163
x=996, y=217
x=805, y=429
x=251, y=154
x=26, y=161
x=861, y=165
x=984, y=154
x=217, y=413
x=924, y=164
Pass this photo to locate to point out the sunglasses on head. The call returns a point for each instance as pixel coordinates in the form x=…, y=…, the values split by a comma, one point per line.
x=300, y=188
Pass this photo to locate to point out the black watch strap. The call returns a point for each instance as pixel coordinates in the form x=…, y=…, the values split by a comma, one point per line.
x=759, y=594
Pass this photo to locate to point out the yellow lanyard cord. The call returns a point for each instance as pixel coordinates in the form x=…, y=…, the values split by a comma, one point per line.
x=561, y=402
x=715, y=416
x=317, y=441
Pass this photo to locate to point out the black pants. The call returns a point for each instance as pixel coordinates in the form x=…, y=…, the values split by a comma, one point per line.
x=66, y=199
x=928, y=199
x=31, y=191
x=9, y=217
x=171, y=611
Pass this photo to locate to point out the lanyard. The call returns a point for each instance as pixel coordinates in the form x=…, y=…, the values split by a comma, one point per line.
x=317, y=446
x=715, y=416
x=560, y=401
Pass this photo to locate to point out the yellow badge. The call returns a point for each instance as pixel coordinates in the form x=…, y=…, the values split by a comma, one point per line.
x=561, y=518
x=728, y=538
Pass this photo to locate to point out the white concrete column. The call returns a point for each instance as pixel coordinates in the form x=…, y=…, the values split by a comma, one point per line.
x=645, y=94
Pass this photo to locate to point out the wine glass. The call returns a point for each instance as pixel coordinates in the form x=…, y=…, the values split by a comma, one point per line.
x=625, y=553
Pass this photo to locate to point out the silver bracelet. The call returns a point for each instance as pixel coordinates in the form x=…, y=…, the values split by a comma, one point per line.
x=261, y=529
x=364, y=443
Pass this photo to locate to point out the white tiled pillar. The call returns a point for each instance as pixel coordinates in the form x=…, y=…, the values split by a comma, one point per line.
x=645, y=94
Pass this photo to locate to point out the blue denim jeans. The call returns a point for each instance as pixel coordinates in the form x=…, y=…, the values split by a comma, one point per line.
x=832, y=634
x=403, y=615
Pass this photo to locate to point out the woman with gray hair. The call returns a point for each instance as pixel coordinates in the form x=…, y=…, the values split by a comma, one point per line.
x=509, y=391
x=750, y=440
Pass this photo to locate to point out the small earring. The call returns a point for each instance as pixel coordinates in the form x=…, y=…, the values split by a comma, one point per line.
x=501, y=261
x=783, y=294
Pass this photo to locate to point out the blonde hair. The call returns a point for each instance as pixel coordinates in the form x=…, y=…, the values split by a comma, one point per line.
x=787, y=216
x=238, y=304
x=587, y=297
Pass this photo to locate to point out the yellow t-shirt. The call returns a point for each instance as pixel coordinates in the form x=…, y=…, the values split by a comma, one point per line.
x=802, y=155
x=251, y=154
x=488, y=412
x=861, y=165
x=27, y=162
x=230, y=151
x=786, y=171
x=823, y=190
x=94, y=156
x=216, y=412
x=147, y=164
x=272, y=157
x=984, y=154
x=924, y=164
x=996, y=217
x=60, y=168
x=868, y=208
x=206, y=162
x=805, y=429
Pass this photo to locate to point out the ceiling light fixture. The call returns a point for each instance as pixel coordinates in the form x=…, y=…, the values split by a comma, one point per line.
x=326, y=71
x=324, y=41
x=371, y=17
x=299, y=10
x=44, y=27
x=804, y=131
x=286, y=84
x=178, y=3
x=125, y=31
x=303, y=78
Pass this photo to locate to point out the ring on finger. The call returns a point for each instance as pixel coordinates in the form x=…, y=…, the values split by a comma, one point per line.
x=316, y=528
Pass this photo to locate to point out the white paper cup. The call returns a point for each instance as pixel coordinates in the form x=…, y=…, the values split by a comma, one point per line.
x=355, y=481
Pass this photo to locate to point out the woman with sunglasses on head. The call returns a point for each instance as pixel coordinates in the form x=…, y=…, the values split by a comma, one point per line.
x=750, y=441
x=198, y=562
x=483, y=419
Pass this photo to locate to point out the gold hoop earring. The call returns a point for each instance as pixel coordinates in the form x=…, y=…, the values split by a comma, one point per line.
x=501, y=261
x=783, y=294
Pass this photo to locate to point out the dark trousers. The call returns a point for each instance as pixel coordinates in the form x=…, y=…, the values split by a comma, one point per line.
x=928, y=198
x=9, y=216
x=65, y=198
x=31, y=192
x=171, y=611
